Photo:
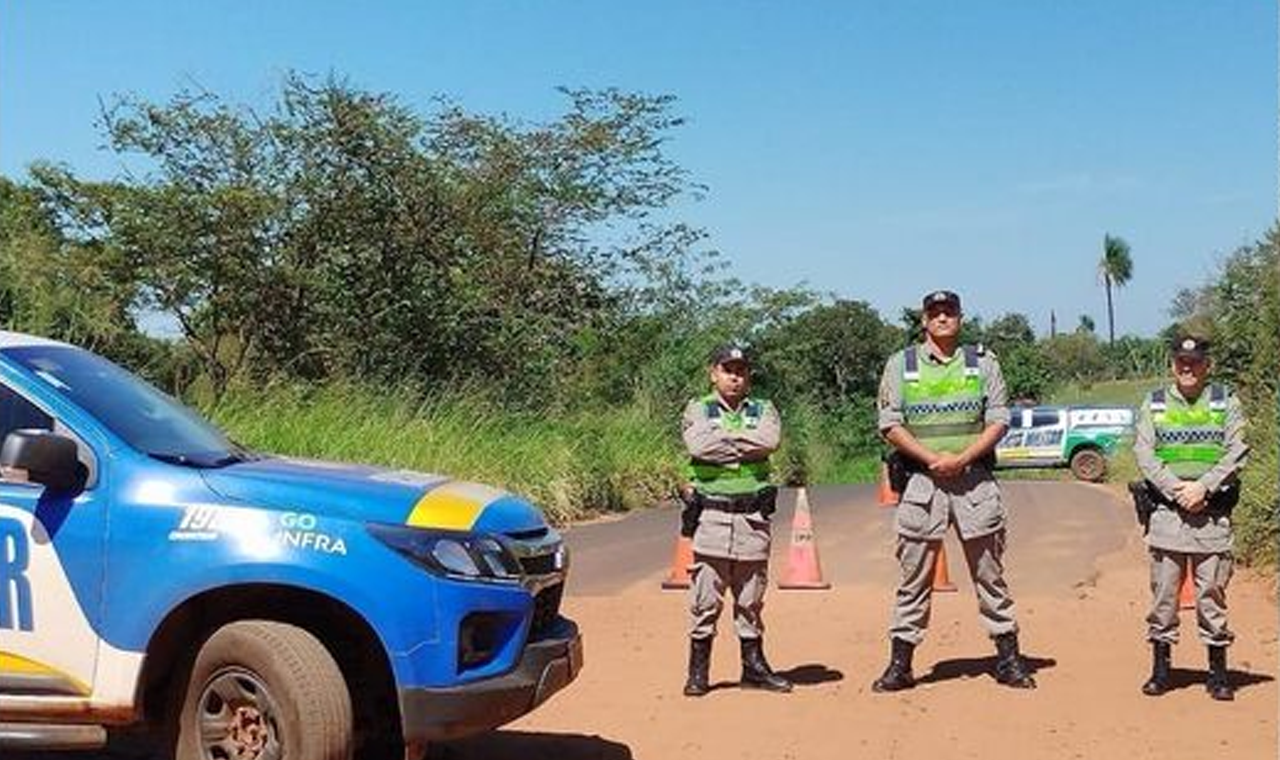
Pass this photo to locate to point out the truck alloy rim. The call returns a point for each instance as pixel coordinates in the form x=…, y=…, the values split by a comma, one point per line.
x=238, y=718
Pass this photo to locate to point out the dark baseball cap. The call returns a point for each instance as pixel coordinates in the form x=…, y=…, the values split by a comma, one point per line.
x=941, y=297
x=1190, y=347
x=729, y=352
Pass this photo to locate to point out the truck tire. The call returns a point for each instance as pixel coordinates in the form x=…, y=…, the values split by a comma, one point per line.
x=1089, y=464
x=264, y=690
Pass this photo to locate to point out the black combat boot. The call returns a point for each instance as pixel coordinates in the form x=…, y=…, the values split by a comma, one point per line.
x=1011, y=669
x=699, y=682
x=1158, y=683
x=897, y=676
x=756, y=673
x=1218, y=684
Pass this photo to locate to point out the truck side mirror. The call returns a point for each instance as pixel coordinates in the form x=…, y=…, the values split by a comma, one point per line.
x=48, y=458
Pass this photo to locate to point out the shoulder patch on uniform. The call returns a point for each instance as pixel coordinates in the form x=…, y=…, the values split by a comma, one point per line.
x=1217, y=396
x=910, y=364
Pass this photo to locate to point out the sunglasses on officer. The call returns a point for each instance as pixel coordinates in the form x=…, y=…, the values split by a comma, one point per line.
x=943, y=309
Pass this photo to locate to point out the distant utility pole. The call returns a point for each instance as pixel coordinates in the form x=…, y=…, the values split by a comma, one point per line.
x=1053, y=324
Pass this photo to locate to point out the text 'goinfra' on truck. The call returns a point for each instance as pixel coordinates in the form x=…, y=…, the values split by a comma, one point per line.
x=158, y=580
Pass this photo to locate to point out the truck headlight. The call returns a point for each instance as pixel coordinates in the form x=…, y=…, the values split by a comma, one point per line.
x=457, y=555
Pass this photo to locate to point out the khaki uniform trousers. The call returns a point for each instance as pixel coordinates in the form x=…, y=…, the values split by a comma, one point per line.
x=1211, y=572
x=745, y=579
x=913, y=602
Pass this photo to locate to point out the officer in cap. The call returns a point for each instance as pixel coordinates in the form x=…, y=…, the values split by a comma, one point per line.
x=1190, y=447
x=728, y=502
x=943, y=409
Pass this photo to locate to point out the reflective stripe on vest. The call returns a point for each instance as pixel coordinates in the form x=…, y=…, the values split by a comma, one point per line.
x=1190, y=438
x=738, y=477
x=943, y=404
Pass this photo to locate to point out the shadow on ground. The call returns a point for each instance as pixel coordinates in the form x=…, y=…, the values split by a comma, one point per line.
x=1184, y=678
x=811, y=674
x=525, y=745
x=972, y=667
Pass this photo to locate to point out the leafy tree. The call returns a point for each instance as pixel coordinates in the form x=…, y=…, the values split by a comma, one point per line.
x=342, y=234
x=1134, y=357
x=832, y=353
x=58, y=287
x=1074, y=357
x=1027, y=373
x=1009, y=331
x=1086, y=324
x=1115, y=269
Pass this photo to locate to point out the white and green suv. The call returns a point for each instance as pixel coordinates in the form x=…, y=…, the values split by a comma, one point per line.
x=1079, y=437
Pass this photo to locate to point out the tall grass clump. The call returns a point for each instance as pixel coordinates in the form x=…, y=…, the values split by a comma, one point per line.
x=572, y=465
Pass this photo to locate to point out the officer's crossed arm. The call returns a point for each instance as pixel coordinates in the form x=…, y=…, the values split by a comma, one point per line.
x=706, y=441
x=758, y=443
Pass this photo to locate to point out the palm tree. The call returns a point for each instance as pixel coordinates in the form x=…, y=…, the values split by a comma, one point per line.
x=1115, y=269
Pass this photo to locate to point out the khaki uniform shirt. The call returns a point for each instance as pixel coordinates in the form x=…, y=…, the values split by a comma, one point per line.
x=973, y=498
x=722, y=534
x=1176, y=529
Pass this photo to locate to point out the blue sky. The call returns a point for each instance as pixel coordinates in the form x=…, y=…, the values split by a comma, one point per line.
x=874, y=150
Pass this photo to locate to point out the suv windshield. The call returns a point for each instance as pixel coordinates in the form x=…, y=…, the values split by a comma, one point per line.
x=147, y=419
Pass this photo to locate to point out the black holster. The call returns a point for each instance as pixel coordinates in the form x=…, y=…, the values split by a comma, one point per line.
x=767, y=500
x=690, y=511
x=900, y=468
x=1222, y=503
x=1143, y=502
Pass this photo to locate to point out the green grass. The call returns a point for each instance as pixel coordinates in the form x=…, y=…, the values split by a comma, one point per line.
x=865, y=469
x=1122, y=392
x=572, y=466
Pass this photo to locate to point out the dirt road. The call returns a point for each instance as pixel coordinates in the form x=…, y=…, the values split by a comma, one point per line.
x=1076, y=567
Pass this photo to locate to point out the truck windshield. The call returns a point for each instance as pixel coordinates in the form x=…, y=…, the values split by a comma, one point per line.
x=147, y=419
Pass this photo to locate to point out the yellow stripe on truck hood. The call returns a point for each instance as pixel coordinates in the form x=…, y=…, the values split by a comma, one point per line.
x=453, y=506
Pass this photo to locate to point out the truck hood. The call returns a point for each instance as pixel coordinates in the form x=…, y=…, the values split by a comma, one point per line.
x=364, y=493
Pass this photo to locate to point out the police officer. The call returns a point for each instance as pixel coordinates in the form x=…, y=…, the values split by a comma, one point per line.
x=942, y=407
x=1189, y=444
x=728, y=503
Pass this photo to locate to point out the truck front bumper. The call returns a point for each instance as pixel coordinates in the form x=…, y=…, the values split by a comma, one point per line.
x=547, y=666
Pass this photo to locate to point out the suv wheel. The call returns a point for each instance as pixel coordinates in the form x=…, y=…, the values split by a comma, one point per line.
x=1089, y=464
x=262, y=690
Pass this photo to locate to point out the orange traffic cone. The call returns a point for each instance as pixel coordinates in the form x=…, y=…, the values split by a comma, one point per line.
x=1187, y=593
x=885, y=495
x=803, y=571
x=942, y=576
x=681, y=561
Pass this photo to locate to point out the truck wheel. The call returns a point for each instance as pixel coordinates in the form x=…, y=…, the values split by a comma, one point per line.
x=261, y=690
x=1089, y=464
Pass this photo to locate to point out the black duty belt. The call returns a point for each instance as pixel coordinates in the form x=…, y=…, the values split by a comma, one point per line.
x=743, y=504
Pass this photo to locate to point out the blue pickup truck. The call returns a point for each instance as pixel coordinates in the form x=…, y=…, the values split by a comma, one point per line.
x=160, y=582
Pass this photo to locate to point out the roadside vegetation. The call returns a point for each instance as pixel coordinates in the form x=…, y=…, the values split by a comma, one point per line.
x=334, y=274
